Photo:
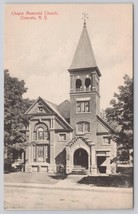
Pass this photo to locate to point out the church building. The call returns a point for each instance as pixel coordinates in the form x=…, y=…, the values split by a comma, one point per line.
x=72, y=134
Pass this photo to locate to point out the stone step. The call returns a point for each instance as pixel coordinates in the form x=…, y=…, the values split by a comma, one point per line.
x=79, y=167
x=79, y=170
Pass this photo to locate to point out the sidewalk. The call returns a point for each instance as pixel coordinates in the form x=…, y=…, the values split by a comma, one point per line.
x=68, y=185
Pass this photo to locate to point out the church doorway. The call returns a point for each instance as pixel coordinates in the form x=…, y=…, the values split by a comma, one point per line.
x=81, y=158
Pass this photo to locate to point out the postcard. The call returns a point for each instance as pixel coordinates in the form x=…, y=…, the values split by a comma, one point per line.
x=68, y=106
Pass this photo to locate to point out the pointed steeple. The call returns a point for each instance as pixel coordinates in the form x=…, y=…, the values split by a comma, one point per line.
x=84, y=55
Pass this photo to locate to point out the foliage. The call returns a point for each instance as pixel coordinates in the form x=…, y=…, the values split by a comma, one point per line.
x=14, y=109
x=120, y=115
x=118, y=180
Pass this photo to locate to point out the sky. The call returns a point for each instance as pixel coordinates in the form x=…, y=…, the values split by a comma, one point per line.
x=39, y=48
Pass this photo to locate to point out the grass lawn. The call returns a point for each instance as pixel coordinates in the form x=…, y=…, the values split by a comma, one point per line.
x=22, y=177
x=123, y=179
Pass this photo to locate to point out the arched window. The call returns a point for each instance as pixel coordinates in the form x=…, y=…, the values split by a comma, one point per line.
x=80, y=127
x=40, y=132
x=83, y=127
x=88, y=83
x=78, y=84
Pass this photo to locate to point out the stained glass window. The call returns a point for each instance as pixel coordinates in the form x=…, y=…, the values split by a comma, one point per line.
x=40, y=133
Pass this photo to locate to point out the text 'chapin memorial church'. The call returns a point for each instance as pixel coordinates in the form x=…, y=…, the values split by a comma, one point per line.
x=72, y=134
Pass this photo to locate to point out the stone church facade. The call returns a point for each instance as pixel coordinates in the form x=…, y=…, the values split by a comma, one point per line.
x=72, y=134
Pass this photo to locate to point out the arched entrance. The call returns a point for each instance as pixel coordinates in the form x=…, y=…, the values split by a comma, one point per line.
x=81, y=158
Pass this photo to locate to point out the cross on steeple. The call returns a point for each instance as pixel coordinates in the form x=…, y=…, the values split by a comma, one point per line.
x=85, y=16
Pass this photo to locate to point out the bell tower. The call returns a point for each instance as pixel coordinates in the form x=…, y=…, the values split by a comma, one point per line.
x=84, y=89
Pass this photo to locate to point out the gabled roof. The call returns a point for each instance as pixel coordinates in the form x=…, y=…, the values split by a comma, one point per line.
x=64, y=109
x=74, y=140
x=104, y=124
x=54, y=109
x=84, y=55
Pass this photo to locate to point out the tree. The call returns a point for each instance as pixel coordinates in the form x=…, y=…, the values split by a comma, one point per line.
x=14, y=109
x=120, y=115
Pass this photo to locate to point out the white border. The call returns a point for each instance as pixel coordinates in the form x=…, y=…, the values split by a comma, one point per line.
x=135, y=3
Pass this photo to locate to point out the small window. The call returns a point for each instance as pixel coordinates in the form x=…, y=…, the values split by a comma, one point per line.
x=80, y=127
x=78, y=85
x=78, y=106
x=86, y=127
x=106, y=140
x=83, y=127
x=83, y=106
x=86, y=106
x=88, y=83
x=62, y=137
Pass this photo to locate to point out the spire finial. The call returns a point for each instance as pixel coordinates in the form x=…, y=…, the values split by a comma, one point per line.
x=85, y=16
